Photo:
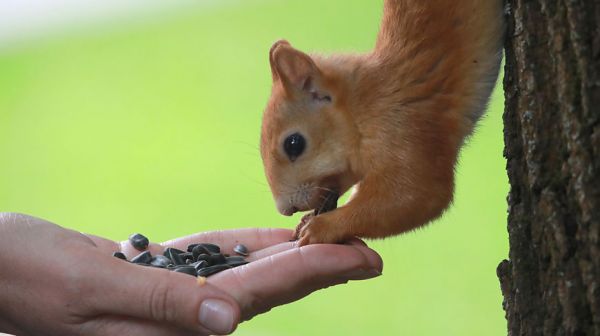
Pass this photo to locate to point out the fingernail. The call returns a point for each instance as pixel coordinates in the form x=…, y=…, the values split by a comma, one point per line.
x=363, y=274
x=217, y=316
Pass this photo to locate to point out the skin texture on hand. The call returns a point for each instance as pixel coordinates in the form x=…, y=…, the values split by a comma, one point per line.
x=61, y=282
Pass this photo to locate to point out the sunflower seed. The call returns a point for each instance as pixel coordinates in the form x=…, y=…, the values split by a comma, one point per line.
x=236, y=261
x=119, y=255
x=201, y=259
x=241, y=249
x=187, y=256
x=139, y=241
x=198, y=250
x=329, y=204
x=142, y=258
x=200, y=264
x=170, y=250
x=205, y=257
x=217, y=259
x=212, y=247
x=174, y=255
x=160, y=261
x=186, y=269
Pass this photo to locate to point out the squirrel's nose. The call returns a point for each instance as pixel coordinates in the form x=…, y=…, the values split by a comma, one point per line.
x=285, y=208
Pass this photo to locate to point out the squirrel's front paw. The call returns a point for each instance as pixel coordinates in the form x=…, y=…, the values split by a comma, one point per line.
x=303, y=222
x=317, y=230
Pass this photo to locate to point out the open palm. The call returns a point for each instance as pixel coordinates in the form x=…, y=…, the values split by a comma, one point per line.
x=69, y=283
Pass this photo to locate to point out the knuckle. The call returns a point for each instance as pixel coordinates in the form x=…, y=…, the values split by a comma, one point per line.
x=161, y=302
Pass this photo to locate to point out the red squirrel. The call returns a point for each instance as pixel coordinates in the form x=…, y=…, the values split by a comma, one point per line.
x=390, y=122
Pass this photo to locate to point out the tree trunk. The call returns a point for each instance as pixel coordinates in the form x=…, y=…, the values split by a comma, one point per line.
x=551, y=282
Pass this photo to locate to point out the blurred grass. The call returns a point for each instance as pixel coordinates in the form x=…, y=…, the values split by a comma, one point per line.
x=154, y=128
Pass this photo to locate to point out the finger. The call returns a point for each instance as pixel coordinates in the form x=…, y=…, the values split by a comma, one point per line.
x=373, y=258
x=254, y=239
x=158, y=295
x=295, y=273
x=268, y=251
x=130, y=252
x=271, y=250
x=118, y=325
x=125, y=246
x=355, y=241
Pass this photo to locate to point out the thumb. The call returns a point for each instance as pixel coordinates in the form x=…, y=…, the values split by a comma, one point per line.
x=162, y=296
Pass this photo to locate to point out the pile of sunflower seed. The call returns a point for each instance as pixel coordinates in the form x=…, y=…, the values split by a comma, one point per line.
x=201, y=259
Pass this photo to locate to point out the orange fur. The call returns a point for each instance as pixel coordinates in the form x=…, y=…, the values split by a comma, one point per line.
x=395, y=123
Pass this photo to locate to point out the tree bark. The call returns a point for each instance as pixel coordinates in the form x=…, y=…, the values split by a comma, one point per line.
x=551, y=282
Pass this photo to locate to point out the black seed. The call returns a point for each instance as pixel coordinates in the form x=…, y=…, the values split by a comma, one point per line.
x=241, y=249
x=198, y=250
x=236, y=261
x=186, y=269
x=160, y=261
x=177, y=260
x=139, y=241
x=200, y=264
x=207, y=271
x=191, y=247
x=172, y=250
x=212, y=248
x=217, y=259
x=330, y=203
x=142, y=258
x=174, y=255
x=205, y=257
x=186, y=256
x=119, y=255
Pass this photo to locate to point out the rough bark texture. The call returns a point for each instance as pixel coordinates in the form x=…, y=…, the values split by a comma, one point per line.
x=551, y=282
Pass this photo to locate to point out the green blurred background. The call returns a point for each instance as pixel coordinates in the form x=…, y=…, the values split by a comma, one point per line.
x=153, y=126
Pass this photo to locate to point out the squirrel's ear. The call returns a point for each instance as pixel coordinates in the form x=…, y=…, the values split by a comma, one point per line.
x=272, y=58
x=296, y=71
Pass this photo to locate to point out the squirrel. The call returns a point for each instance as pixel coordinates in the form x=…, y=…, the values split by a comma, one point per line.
x=389, y=123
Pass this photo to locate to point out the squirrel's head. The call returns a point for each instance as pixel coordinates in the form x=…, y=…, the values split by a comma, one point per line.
x=308, y=139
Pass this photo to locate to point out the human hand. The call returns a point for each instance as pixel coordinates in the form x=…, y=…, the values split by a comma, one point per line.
x=279, y=271
x=62, y=282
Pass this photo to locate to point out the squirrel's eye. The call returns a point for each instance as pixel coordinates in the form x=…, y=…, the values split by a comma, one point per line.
x=294, y=146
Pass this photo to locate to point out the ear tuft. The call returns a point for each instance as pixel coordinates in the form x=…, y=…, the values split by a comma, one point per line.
x=293, y=67
x=297, y=72
x=271, y=58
